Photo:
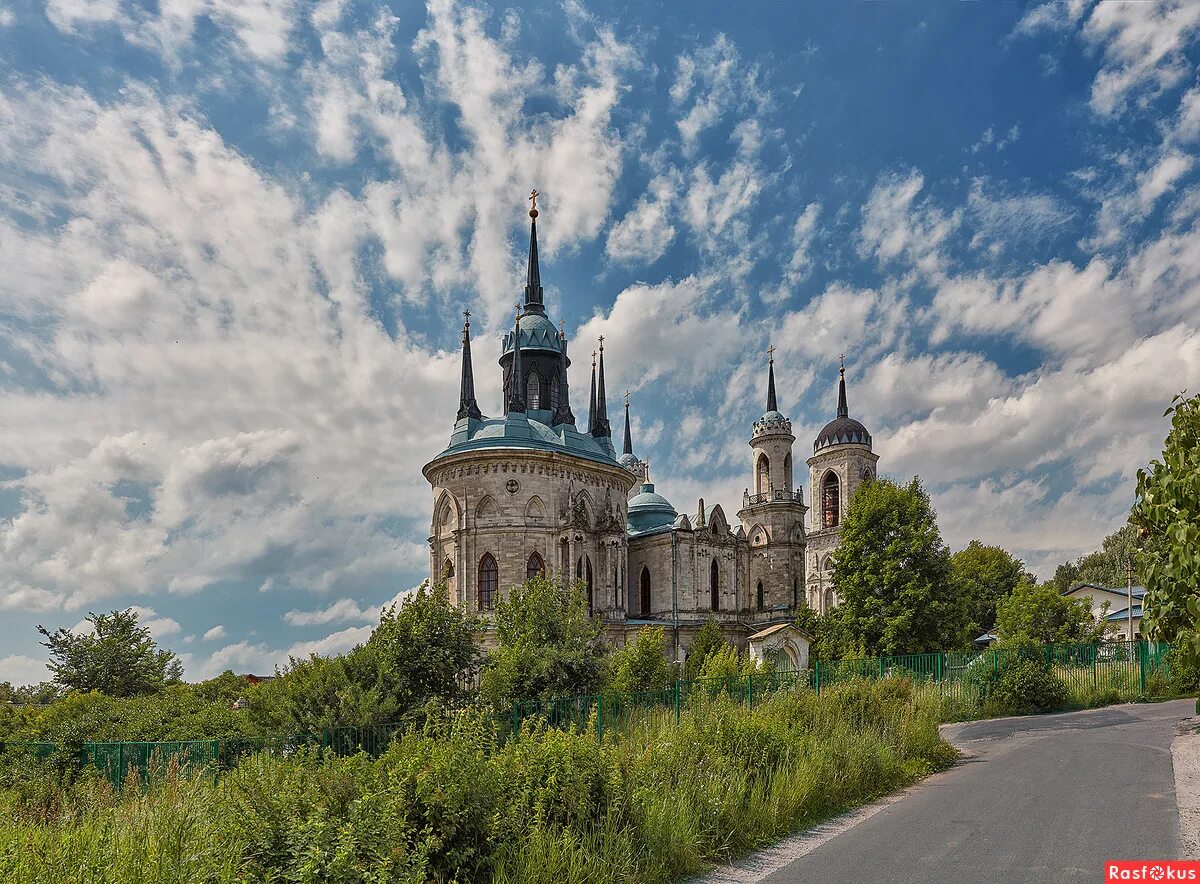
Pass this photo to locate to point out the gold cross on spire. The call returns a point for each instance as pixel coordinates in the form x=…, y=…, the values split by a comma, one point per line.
x=842, y=358
x=533, y=195
x=518, y=314
x=602, y=343
x=593, y=359
x=626, y=398
x=771, y=352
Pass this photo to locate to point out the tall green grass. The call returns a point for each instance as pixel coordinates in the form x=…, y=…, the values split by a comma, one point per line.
x=656, y=801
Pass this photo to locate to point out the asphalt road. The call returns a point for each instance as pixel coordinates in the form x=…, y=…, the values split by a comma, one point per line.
x=1042, y=799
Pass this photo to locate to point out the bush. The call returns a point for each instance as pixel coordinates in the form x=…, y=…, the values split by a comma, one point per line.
x=1025, y=686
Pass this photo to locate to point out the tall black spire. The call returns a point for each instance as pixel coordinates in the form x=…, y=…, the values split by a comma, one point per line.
x=533, y=274
x=601, y=430
x=562, y=414
x=772, y=404
x=843, y=411
x=628, y=438
x=467, y=406
x=516, y=401
x=592, y=404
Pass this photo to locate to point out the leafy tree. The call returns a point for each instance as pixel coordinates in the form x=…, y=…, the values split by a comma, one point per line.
x=1108, y=566
x=642, y=664
x=426, y=649
x=728, y=662
x=983, y=575
x=547, y=645
x=709, y=639
x=118, y=657
x=892, y=572
x=1042, y=615
x=1167, y=513
x=824, y=632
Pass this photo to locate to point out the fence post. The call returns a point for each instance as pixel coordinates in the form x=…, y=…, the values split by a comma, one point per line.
x=676, y=700
x=120, y=765
x=1141, y=652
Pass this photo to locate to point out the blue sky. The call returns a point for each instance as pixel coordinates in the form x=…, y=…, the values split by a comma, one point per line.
x=237, y=236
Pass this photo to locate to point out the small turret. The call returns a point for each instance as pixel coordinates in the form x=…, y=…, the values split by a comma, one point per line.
x=600, y=427
x=467, y=406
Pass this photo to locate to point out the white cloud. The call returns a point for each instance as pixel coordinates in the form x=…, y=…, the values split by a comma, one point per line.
x=255, y=657
x=646, y=231
x=341, y=611
x=896, y=225
x=20, y=670
x=1002, y=220
x=217, y=632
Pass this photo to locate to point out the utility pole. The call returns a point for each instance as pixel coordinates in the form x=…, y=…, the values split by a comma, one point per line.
x=1129, y=596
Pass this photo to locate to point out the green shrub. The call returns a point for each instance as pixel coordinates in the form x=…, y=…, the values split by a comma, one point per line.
x=1025, y=685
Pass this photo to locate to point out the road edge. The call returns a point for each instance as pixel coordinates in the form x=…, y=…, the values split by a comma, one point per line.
x=1185, y=759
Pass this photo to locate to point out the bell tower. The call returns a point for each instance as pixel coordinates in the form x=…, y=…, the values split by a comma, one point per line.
x=772, y=516
x=842, y=460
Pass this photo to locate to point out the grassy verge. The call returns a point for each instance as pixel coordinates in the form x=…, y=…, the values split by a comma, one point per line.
x=656, y=801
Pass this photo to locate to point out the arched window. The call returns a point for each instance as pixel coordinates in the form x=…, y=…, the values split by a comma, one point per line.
x=645, y=591
x=714, y=585
x=448, y=569
x=489, y=580
x=554, y=393
x=761, y=597
x=535, y=567
x=762, y=475
x=831, y=503
x=787, y=471
x=533, y=392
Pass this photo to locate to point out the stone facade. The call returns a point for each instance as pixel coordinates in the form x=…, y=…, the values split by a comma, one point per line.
x=530, y=492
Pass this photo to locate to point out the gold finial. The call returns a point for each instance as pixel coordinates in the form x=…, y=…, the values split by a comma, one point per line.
x=562, y=332
x=533, y=195
x=771, y=353
x=518, y=315
x=602, y=343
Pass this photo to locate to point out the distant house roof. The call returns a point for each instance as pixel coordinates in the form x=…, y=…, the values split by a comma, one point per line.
x=986, y=639
x=1117, y=616
x=1138, y=591
x=255, y=679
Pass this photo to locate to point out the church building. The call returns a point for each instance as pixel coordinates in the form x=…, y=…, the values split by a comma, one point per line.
x=530, y=492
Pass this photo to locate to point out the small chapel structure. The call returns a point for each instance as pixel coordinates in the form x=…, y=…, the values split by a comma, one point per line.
x=531, y=492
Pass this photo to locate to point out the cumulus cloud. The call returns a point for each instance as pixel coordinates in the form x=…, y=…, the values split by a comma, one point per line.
x=20, y=670
x=646, y=231
x=216, y=633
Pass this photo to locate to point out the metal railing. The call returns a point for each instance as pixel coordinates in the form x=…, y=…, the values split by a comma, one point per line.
x=1120, y=671
x=749, y=499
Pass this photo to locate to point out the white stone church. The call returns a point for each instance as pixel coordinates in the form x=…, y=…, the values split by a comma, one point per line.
x=531, y=492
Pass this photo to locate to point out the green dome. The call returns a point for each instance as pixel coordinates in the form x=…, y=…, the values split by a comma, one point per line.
x=537, y=333
x=648, y=510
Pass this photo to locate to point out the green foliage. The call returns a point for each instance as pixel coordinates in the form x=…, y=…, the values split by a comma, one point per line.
x=708, y=640
x=424, y=650
x=727, y=662
x=982, y=576
x=654, y=803
x=642, y=664
x=1167, y=513
x=892, y=572
x=1040, y=614
x=34, y=695
x=118, y=657
x=547, y=645
x=1026, y=686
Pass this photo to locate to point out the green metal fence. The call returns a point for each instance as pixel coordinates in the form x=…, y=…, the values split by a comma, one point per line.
x=1112, y=671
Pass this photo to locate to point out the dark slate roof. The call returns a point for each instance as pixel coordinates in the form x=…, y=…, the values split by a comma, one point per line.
x=842, y=431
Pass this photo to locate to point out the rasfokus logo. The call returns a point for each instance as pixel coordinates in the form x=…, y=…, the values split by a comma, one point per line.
x=1151, y=870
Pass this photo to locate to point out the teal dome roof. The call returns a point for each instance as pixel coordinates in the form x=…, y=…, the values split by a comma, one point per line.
x=537, y=333
x=526, y=431
x=648, y=510
x=772, y=422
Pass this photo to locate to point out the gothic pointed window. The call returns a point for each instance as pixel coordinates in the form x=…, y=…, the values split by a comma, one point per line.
x=448, y=569
x=831, y=515
x=535, y=567
x=787, y=471
x=645, y=591
x=762, y=476
x=489, y=580
x=554, y=394
x=761, y=597
x=533, y=392
x=714, y=585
